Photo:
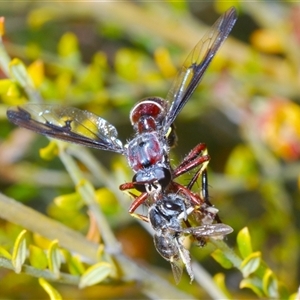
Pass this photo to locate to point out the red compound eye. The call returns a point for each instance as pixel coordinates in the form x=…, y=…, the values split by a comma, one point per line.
x=147, y=107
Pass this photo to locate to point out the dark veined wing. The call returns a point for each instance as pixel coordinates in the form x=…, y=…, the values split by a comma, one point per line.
x=196, y=63
x=67, y=123
x=213, y=230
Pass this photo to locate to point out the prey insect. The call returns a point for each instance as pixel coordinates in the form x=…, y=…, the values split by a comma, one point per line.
x=174, y=216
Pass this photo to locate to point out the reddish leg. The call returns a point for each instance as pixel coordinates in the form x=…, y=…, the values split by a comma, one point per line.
x=137, y=202
x=198, y=156
x=195, y=199
x=126, y=186
x=194, y=153
x=138, y=199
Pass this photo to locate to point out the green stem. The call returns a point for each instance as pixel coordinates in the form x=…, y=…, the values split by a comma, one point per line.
x=86, y=191
x=46, y=274
x=34, y=221
x=227, y=251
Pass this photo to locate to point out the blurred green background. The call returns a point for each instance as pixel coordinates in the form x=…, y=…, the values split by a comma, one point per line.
x=104, y=57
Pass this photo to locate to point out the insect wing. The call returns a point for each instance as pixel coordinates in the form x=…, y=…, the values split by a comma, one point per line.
x=68, y=124
x=196, y=64
x=211, y=230
x=177, y=269
x=185, y=258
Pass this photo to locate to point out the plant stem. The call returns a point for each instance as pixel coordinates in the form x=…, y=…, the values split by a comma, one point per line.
x=34, y=221
x=46, y=274
x=86, y=191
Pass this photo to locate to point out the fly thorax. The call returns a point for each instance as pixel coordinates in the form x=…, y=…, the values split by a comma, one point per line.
x=144, y=151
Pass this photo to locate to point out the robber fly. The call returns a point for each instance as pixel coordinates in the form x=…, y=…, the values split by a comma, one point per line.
x=152, y=119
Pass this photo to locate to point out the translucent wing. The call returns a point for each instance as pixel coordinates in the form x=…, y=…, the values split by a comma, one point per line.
x=180, y=258
x=177, y=269
x=185, y=258
x=213, y=230
x=68, y=124
x=196, y=63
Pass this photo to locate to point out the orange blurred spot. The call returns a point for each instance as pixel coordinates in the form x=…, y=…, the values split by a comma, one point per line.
x=267, y=41
x=280, y=128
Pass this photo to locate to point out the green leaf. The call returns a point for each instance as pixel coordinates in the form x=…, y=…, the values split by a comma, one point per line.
x=54, y=259
x=101, y=254
x=129, y=64
x=85, y=185
x=71, y=201
x=244, y=242
x=68, y=44
x=219, y=256
x=179, y=6
x=36, y=72
x=5, y=85
x=37, y=257
x=5, y=253
x=242, y=164
x=270, y=284
x=107, y=200
x=50, y=290
x=219, y=279
x=19, y=72
x=74, y=263
x=68, y=49
x=221, y=6
x=49, y=152
x=37, y=17
x=13, y=91
x=250, y=264
x=19, y=252
x=294, y=296
x=284, y=293
x=22, y=191
x=254, y=284
x=95, y=274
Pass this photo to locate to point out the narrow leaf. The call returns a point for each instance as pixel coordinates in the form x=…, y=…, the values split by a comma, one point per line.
x=36, y=72
x=19, y=252
x=5, y=253
x=49, y=152
x=4, y=85
x=74, y=263
x=254, y=285
x=50, y=290
x=250, y=264
x=244, y=242
x=270, y=284
x=68, y=45
x=75, y=266
x=19, y=72
x=219, y=256
x=69, y=202
x=54, y=260
x=219, y=279
x=95, y=274
x=37, y=257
